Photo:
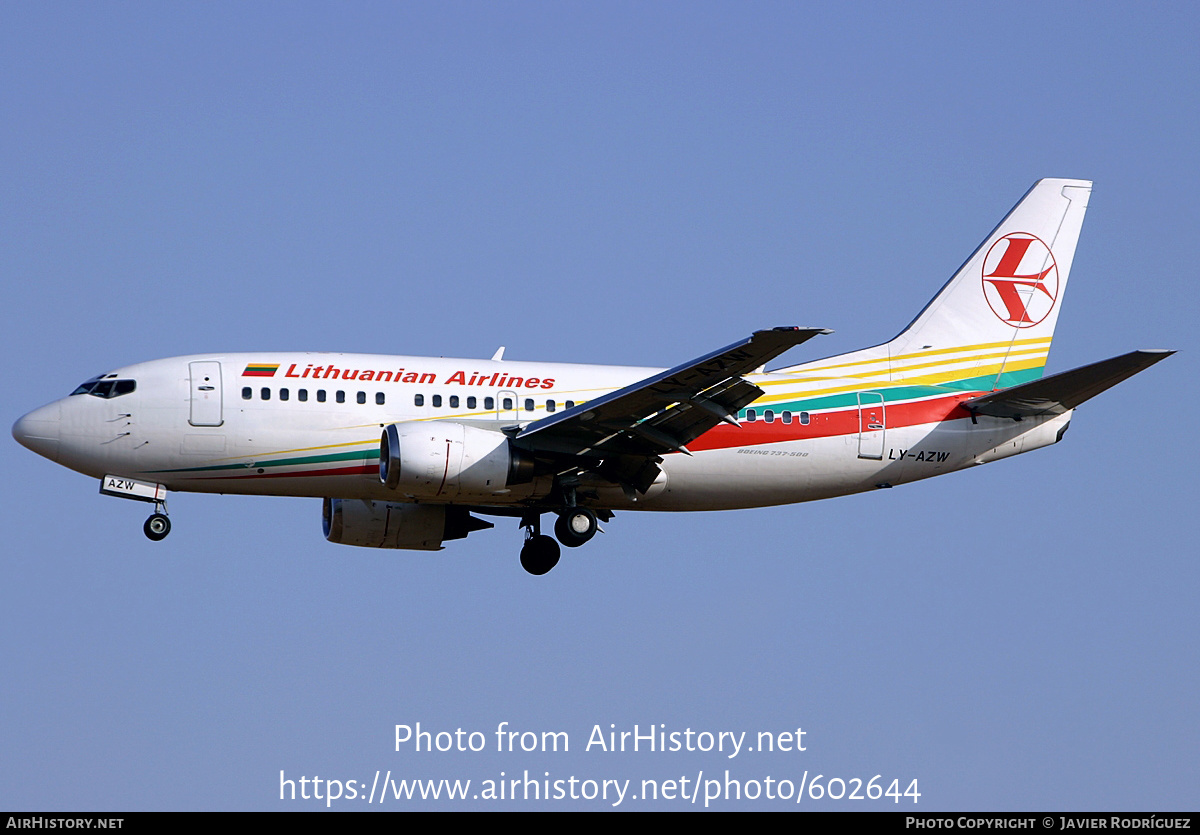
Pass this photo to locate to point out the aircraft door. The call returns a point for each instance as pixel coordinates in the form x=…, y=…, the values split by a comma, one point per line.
x=206, y=393
x=871, y=425
x=507, y=405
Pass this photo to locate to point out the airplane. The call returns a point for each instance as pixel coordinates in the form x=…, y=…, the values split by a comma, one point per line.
x=410, y=452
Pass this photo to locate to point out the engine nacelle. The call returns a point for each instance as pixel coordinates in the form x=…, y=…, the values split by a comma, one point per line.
x=372, y=524
x=442, y=460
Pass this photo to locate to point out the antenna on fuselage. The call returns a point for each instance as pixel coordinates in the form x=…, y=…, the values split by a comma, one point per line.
x=499, y=355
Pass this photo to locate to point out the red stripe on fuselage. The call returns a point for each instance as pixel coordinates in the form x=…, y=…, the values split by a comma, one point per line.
x=362, y=469
x=723, y=436
x=830, y=424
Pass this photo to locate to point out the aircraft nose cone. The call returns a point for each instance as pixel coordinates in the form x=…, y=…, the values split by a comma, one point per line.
x=40, y=431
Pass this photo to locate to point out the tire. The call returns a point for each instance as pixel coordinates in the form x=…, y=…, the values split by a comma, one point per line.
x=157, y=527
x=575, y=526
x=539, y=554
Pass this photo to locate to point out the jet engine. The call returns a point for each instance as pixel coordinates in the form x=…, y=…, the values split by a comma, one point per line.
x=373, y=524
x=444, y=460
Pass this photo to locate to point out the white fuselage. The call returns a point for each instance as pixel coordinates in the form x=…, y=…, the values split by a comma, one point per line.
x=236, y=423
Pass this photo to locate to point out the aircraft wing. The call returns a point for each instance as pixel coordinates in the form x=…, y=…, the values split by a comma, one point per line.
x=1061, y=392
x=666, y=411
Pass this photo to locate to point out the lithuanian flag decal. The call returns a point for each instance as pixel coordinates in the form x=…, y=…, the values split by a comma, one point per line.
x=260, y=369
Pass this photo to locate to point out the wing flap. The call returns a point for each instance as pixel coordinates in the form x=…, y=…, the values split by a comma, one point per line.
x=1064, y=391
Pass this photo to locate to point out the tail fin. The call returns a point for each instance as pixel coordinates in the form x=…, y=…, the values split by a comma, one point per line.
x=991, y=325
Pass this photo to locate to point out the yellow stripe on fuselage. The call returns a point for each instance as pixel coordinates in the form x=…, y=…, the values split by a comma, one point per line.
x=888, y=366
x=822, y=387
x=301, y=449
x=1035, y=353
x=985, y=347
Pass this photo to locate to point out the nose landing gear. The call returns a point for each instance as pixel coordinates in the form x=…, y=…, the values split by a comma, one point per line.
x=158, y=525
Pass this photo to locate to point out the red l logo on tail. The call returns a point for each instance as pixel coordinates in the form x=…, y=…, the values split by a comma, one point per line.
x=1020, y=276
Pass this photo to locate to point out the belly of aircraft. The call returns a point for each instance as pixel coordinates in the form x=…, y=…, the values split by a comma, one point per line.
x=346, y=465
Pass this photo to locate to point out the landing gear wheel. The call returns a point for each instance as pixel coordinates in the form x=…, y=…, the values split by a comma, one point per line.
x=539, y=554
x=575, y=526
x=157, y=527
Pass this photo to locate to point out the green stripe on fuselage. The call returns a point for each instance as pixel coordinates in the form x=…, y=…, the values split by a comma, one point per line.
x=989, y=382
x=369, y=454
x=893, y=394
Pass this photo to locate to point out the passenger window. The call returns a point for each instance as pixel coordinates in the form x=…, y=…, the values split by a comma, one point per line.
x=437, y=401
x=302, y=395
x=804, y=418
x=379, y=398
x=320, y=395
x=570, y=404
x=529, y=404
x=787, y=417
x=769, y=416
x=418, y=400
x=283, y=394
x=454, y=401
x=362, y=397
x=247, y=393
x=751, y=416
x=550, y=406
x=508, y=403
x=266, y=393
x=472, y=402
x=489, y=403
x=341, y=397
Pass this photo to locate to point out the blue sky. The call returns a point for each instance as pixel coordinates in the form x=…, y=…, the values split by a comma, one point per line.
x=612, y=183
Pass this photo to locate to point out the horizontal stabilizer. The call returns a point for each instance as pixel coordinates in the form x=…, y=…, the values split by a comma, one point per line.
x=1062, y=392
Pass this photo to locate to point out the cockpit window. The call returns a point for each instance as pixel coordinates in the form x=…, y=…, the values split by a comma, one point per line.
x=106, y=388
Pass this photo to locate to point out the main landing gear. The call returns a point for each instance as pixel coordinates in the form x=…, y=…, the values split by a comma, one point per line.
x=575, y=526
x=540, y=553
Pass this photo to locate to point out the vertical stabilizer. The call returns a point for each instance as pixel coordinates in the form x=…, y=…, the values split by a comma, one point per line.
x=991, y=325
